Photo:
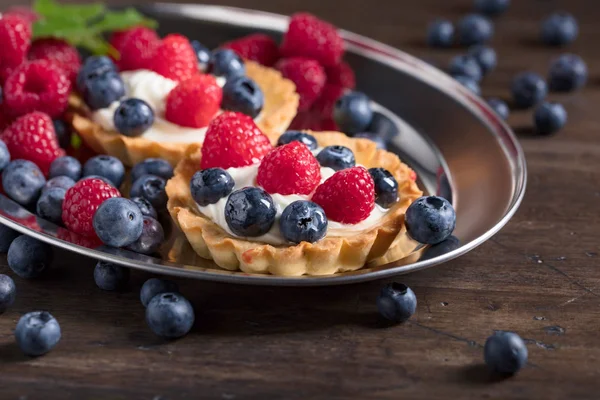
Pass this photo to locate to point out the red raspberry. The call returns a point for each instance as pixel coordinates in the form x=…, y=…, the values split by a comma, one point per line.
x=348, y=196
x=32, y=137
x=37, y=86
x=82, y=201
x=310, y=37
x=256, y=47
x=24, y=13
x=136, y=46
x=308, y=76
x=303, y=120
x=326, y=124
x=412, y=175
x=194, y=102
x=233, y=140
x=5, y=120
x=341, y=75
x=15, y=39
x=324, y=105
x=175, y=58
x=289, y=169
x=59, y=53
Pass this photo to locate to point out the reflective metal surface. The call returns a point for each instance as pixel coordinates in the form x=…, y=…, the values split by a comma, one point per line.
x=457, y=145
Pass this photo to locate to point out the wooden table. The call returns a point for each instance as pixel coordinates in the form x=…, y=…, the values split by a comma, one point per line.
x=537, y=277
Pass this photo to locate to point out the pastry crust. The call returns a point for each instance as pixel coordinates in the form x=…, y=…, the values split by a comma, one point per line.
x=281, y=104
x=328, y=256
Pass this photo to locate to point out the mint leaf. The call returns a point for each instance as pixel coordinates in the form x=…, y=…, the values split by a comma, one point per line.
x=121, y=20
x=77, y=12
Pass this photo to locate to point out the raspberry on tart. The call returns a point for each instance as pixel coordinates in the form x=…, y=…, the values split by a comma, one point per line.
x=308, y=76
x=136, y=46
x=194, y=102
x=15, y=39
x=256, y=47
x=175, y=58
x=57, y=52
x=341, y=74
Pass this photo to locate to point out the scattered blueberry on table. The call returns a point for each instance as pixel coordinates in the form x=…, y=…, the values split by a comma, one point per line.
x=474, y=29
x=469, y=83
x=505, y=353
x=156, y=286
x=500, y=107
x=7, y=236
x=528, y=89
x=111, y=277
x=37, y=333
x=549, y=118
x=465, y=65
x=8, y=292
x=28, y=257
x=170, y=315
x=396, y=302
x=491, y=7
x=440, y=33
x=485, y=57
x=559, y=29
x=567, y=73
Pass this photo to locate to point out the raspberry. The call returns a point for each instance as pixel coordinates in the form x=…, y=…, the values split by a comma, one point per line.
x=32, y=137
x=194, y=102
x=233, y=140
x=324, y=105
x=82, y=201
x=37, y=86
x=342, y=75
x=5, y=120
x=136, y=46
x=348, y=196
x=59, y=53
x=256, y=47
x=175, y=58
x=412, y=175
x=24, y=13
x=15, y=39
x=289, y=169
x=310, y=37
x=308, y=76
x=326, y=124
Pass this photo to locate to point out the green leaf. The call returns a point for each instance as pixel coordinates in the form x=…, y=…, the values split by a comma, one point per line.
x=75, y=141
x=62, y=27
x=77, y=12
x=121, y=20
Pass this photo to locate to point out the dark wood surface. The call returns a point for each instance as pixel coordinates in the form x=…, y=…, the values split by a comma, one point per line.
x=540, y=276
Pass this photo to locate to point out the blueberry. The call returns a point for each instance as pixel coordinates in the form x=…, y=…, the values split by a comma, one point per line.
x=465, y=65
x=528, y=89
x=474, y=29
x=49, y=205
x=383, y=125
x=505, y=353
x=111, y=277
x=499, y=107
x=386, y=187
x=108, y=167
x=63, y=133
x=155, y=286
x=170, y=315
x=469, y=83
x=226, y=63
x=568, y=72
x=118, y=222
x=485, y=57
x=23, y=181
x=28, y=257
x=7, y=236
x=374, y=137
x=250, y=212
x=211, y=185
x=491, y=7
x=8, y=291
x=103, y=90
x=151, y=239
x=396, y=302
x=336, y=157
x=243, y=95
x=430, y=219
x=549, y=118
x=202, y=54
x=446, y=246
x=65, y=166
x=152, y=188
x=63, y=182
x=92, y=68
x=152, y=166
x=440, y=33
x=303, y=221
x=133, y=117
x=4, y=156
x=102, y=178
x=145, y=207
x=353, y=112
x=37, y=333
x=302, y=137
x=559, y=29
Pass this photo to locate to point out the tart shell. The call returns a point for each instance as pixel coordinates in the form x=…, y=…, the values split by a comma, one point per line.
x=330, y=255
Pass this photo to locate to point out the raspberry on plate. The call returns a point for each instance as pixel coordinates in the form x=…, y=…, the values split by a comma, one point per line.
x=348, y=196
x=15, y=39
x=136, y=46
x=310, y=37
x=32, y=138
x=256, y=47
x=308, y=76
x=194, y=102
x=341, y=75
x=81, y=203
x=59, y=53
x=175, y=58
x=289, y=169
x=233, y=140
x=37, y=86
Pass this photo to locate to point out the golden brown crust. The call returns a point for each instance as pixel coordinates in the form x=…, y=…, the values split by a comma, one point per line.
x=281, y=104
x=328, y=256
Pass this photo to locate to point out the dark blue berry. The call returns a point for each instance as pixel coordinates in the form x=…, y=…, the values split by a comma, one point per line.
x=549, y=118
x=528, y=89
x=63, y=182
x=491, y=7
x=374, y=137
x=92, y=68
x=298, y=136
x=118, y=222
x=28, y=257
x=383, y=126
x=474, y=29
x=111, y=277
x=485, y=57
x=250, y=212
x=4, y=156
x=133, y=117
x=155, y=286
x=336, y=157
x=226, y=63
x=49, y=205
x=430, y=219
x=108, y=167
x=396, y=302
x=170, y=315
x=211, y=185
x=500, y=107
x=353, y=112
x=386, y=187
x=37, y=333
x=63, y=133
x=23, y=181
x=151, y=239
x=8, y=292
x=303, y=221
x=66, y=166
x=559, y=29
x=243, y=95
x=469, y=83
x=202, y=54
x=103, y=90
x=102, y=178
x=7, y=236
x=440, y=33
x=151, y=188
x=505, y=353
x=145, y=207
x=568, y=72
x=152, y=166
x=446, y=246
x=465, y=65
